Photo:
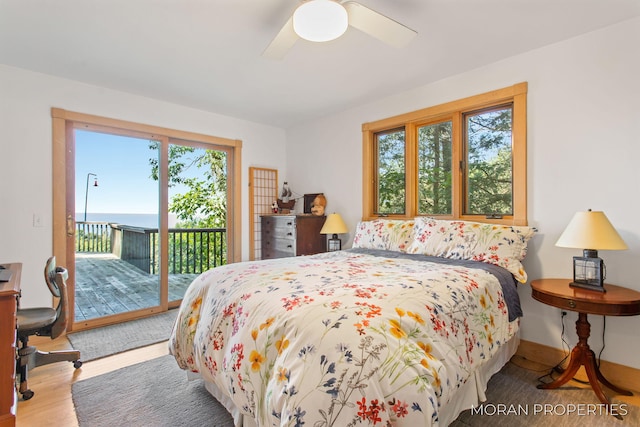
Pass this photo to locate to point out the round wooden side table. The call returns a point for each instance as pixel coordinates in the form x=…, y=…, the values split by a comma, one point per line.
x=616, y=301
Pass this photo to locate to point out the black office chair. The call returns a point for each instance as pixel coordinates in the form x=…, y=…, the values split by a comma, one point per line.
x=44, y=321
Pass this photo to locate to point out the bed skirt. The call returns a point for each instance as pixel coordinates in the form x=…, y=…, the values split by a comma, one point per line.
x=471, y=394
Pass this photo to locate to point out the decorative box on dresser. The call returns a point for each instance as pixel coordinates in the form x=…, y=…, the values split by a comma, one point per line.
x=9, y=294
x=292, y=235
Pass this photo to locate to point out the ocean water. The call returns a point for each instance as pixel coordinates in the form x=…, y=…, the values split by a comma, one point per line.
x=136, y=220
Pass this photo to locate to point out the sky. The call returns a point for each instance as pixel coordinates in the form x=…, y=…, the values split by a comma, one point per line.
x=123, y=174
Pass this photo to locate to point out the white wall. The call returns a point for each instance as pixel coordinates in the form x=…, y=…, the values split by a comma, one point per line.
x=583, y=151
x=584, y=126
x=26, y=99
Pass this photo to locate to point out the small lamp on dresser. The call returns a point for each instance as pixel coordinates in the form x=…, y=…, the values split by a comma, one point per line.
x=334, y=225
x=590, y=231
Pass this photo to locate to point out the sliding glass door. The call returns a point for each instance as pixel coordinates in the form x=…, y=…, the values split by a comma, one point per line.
x=197, y=195
x=142, y=211
x=117, y=221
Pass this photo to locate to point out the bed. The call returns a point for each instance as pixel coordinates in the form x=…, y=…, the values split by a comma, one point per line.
x=405, y=328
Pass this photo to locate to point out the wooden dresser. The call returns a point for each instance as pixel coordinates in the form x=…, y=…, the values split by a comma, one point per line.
x=9, y=294
x=292, y=235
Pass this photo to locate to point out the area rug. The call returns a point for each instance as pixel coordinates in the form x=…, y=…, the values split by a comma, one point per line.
x=153, y=393
x=157, y=393
x=105, y=341
x=513, y=400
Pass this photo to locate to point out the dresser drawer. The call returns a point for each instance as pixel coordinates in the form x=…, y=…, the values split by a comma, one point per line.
x=285, y=232
x=278, y=248
x=284, y=226
x=279, y=223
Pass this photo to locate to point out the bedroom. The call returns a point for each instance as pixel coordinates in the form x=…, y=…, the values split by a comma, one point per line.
x=582, y=132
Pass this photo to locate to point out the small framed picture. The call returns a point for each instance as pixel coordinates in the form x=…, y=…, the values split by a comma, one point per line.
x=308, y=201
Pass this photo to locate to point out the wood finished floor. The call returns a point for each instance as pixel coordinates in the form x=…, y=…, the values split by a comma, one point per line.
x=52, y=403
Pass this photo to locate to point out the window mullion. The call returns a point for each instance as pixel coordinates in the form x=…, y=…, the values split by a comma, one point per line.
x=459, y=164
x=411, y=171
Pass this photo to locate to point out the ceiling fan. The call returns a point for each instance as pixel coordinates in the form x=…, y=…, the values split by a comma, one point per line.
x=324, y=20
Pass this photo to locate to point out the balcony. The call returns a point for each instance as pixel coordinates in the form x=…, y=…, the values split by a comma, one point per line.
x=117, y=266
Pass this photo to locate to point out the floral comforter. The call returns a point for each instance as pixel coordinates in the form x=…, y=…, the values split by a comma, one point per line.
x=341, y=338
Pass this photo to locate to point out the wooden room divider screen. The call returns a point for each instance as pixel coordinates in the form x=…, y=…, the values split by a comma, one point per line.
x=263, y=191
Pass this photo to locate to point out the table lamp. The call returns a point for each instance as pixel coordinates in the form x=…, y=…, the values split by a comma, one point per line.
x=590, y=231
x=334, y=225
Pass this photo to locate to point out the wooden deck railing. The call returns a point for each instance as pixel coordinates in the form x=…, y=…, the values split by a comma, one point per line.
x=92, y=236
x=191, y=250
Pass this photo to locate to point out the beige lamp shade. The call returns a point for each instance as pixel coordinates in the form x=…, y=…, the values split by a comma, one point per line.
x=591, y=230
x=334, y=225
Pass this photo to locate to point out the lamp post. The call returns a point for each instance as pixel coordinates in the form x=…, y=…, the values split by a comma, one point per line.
x=86, y=192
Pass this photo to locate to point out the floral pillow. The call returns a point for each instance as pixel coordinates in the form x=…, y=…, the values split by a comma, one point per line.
x=389, y=234
x=502, y=245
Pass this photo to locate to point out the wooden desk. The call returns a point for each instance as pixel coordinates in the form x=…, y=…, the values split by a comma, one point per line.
x=616, y=301
x=9, y=294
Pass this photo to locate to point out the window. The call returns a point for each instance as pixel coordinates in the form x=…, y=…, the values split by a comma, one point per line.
x=434, y=169
x=487, y=166
x=390, y=182
x=465, y=159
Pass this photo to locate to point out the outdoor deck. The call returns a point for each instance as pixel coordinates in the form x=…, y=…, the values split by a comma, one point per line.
x=107, y=285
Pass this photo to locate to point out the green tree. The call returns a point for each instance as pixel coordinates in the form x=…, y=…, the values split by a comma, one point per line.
x=204, y=203
x=391, y=172
x=488, y=179
x=434, y=169
x=490, y=165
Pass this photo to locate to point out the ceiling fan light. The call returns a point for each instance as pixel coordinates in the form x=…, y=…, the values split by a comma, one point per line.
x=320, y=20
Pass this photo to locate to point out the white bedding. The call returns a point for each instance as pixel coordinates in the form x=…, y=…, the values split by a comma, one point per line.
x=345, y=338
x=469, y=395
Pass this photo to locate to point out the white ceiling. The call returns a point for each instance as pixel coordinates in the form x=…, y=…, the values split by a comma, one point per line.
x=206, y=54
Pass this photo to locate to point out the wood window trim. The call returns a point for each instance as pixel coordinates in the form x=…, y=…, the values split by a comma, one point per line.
x=516, y=94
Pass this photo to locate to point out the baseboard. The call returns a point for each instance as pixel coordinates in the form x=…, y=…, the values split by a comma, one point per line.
x=619, y=375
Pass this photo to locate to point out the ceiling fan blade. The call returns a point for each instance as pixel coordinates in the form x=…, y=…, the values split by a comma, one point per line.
x=377, y=25
x=281, y=44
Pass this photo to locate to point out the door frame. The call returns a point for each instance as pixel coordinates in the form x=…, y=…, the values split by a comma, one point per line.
x=63, y=231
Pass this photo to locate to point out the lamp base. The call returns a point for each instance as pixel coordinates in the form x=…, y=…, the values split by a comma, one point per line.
x=334, y=244
x=587, y=286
